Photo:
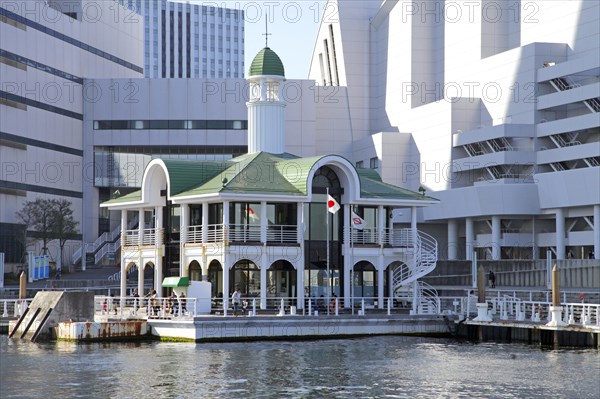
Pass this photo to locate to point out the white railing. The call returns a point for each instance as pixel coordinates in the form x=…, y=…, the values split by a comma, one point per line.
x=215, y=233
x=244, y=233
x=194, y=234
x=152, y=237
x=511, y=308
x=146, y=308
x=101, y=241
x=282, y=234
x=402, y=238
x=13, y=307
x=366, y=236
x=131, y=238
x=107, y=248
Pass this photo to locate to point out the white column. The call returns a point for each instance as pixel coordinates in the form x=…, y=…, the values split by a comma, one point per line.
x=158, y=249
x=140, y=276
x=264, y=221
x=263, y=279
x=348, y=255
x=381, y=224
x=469, y=238
x=226, y=298
x=204, y=222
x=496, y=237
x=596, y=231
x=560, y=234
x=413, y=220
x=141, y=225
x=390, y=283
x=183, y=230
x=300, y=264
x=123, y=226
x=452, y=239
x=380, y=282
x=226, y=219
x=123, y=266
x=300, y=223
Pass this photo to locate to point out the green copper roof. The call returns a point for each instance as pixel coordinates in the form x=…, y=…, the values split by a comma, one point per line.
x=266, y=62
x=185, y=175
x=256, y=173
x=131, y=197
x=371, y=186
x=263, y=173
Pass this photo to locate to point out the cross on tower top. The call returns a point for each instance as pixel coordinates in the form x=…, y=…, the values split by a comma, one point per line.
x=267, y=34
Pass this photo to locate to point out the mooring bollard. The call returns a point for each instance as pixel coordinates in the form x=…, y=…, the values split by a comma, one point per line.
x=281, y=309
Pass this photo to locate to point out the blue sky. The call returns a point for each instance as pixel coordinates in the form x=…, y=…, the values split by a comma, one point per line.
x=293, y=24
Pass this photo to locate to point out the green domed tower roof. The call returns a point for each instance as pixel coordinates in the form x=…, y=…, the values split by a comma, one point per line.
x=267, y=62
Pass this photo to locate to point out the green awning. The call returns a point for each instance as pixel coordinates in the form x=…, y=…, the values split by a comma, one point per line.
x=176, y=282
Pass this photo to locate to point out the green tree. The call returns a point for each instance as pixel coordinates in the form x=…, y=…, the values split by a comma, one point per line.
x=35, y=215
x=50, y=219
x=63, y=226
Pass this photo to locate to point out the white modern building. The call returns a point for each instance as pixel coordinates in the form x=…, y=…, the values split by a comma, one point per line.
x=47, y=50
x=190, y=40
x=492, y=107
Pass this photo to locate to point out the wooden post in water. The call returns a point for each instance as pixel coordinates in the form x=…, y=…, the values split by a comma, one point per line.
x=482, y=307
x=23, y=286
x=480, y=285
x=556, y=309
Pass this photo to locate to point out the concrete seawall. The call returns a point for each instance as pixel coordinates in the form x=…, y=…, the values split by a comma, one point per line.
x=206, y=329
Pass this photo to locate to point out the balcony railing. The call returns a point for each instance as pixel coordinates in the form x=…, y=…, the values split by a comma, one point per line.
x=194, y=234
x=400, y=238
x=150, y=237
x=241, y=233
x=282, y=234
x=215, y=233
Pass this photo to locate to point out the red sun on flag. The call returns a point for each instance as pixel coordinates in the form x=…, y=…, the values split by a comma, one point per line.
x=332, y=205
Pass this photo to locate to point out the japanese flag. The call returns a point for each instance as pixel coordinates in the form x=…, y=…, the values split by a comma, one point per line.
x=358, y=222
x=332, y=205
x=252, y=215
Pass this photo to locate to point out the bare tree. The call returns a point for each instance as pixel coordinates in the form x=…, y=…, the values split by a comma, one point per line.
x=63, y=226
x=50, y=219
x=35, y=215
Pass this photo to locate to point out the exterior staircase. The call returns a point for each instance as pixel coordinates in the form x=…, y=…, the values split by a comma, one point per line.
x=103, y=245
x=424, y=297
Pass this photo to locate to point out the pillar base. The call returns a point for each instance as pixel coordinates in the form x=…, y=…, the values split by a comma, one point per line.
x=556, y=312
x=482, y=313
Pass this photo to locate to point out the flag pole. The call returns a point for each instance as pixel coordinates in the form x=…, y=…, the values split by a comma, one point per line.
x=351, y=226
x=328, y=276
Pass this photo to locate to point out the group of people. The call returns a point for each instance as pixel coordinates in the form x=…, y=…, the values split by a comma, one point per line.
x=174, y=305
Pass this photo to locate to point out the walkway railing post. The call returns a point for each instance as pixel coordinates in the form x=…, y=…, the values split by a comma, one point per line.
x=362, y=307
x=336, y=307
x=389, y=307
x=253, y=307
x=309, y=306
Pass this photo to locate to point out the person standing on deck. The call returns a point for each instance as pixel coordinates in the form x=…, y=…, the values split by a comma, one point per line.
x=235, y=300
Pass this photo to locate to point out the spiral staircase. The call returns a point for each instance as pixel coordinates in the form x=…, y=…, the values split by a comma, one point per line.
x=420, y=261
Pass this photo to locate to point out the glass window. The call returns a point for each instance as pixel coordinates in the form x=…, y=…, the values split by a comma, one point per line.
x=159, y=124
x=216, y=124
x=374, y=163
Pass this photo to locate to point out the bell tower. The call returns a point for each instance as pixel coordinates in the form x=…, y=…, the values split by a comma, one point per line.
x=266, y=116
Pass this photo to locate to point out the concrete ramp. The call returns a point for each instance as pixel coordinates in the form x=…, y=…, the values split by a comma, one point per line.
x=48, y=309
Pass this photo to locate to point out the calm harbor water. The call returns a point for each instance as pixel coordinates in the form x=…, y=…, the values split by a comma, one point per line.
x=373, y=367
